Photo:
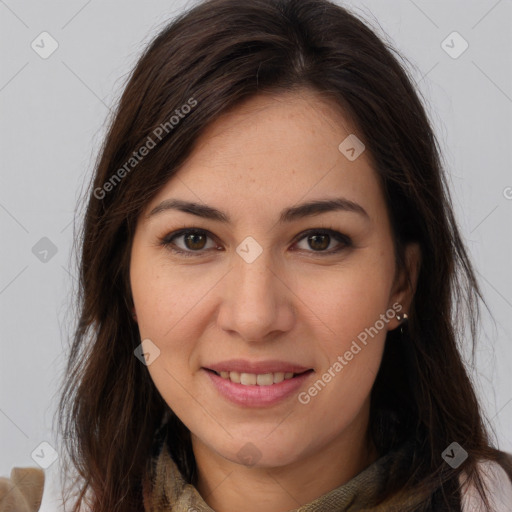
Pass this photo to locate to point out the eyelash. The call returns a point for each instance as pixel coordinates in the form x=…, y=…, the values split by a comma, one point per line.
x=166, y=241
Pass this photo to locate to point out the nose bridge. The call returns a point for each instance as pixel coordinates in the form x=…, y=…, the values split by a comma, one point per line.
x=256, y=304
x=257, y=275
x=255, y=281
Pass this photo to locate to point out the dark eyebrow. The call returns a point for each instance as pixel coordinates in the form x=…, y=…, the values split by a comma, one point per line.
x=290, y=214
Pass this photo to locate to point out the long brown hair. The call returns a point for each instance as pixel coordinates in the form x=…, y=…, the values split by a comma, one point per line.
x=214, y=57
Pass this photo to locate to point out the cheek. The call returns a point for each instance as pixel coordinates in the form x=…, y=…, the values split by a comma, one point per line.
x=171, y=312
x=165, y=296
x=354, y=311
x=348, y=300
x=168, y=309
x=351, y=354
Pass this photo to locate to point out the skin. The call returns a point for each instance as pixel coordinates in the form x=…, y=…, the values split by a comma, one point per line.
x=292, y=303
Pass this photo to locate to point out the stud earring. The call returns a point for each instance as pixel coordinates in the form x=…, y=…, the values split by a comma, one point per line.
x=400, y=318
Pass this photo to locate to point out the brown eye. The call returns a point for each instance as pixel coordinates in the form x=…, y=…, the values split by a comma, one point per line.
x=195, y=241
x=318, y=240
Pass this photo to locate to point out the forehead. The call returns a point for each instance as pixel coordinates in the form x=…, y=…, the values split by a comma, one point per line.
x=276, y=150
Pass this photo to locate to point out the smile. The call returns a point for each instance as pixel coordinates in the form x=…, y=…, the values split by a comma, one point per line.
x=257, y=389
x=261, y=379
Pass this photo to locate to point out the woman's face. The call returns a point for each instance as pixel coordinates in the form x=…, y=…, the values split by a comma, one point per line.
x=267, y=288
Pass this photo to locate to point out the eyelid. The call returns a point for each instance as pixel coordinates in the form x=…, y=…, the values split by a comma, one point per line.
x=333, y=233
x=166, y=240
x=345, y=240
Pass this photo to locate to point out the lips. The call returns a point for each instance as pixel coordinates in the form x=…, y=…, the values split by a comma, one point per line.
x=261, y=373
x=257, y=395
x=257, y=367
x=253, y=379
x=256, y=383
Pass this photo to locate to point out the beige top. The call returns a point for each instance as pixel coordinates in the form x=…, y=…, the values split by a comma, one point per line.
x=166, y=489
x=22, y=492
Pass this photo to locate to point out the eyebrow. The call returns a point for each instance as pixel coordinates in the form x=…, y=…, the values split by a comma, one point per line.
x=290, y=214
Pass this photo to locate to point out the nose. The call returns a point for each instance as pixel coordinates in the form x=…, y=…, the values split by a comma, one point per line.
x=257, y=304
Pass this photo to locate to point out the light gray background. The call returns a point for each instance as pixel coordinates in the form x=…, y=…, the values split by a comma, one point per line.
x=52, y=123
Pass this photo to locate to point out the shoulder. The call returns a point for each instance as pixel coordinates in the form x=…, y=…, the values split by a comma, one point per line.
x=497, y=479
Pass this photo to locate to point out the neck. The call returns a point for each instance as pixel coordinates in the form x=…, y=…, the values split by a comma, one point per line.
x=227, y=486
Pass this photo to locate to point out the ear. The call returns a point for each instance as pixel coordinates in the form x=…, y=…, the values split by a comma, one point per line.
x=404, y=286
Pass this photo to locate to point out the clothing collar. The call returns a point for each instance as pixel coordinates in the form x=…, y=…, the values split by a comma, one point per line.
x=166, y=489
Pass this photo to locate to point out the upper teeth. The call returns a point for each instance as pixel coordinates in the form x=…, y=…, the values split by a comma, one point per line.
x=252, y=379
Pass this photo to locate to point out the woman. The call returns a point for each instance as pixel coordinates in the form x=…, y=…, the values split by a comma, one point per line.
x=270, y=277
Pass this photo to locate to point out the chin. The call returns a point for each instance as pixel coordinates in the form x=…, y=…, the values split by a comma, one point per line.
x=253, y=451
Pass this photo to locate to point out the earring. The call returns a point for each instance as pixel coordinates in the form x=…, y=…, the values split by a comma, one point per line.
x=400, y=318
